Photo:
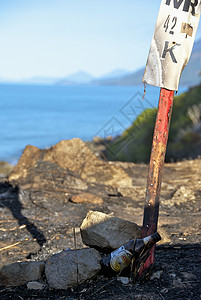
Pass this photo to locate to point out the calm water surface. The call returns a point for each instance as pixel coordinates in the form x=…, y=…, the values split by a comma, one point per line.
x=44, y=115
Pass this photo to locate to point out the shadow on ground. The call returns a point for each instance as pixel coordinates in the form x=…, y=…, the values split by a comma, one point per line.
x=9, y=198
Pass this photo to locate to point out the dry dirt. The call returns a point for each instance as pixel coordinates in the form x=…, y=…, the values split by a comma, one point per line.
x=32, y=229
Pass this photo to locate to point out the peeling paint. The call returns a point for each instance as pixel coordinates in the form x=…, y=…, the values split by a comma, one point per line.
x=187, y=29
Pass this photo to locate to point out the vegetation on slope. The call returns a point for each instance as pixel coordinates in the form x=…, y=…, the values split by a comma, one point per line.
x=184, y=136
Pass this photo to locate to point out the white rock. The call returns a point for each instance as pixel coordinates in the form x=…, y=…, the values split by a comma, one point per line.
x=124, y=280
x=164, y=291
x=35, y=285
x=156, y=275
x=105, y=231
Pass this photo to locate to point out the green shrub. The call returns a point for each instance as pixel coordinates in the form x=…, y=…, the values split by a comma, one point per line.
x=135, y=142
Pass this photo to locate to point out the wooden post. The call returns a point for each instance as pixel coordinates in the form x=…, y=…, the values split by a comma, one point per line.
x=155, y=172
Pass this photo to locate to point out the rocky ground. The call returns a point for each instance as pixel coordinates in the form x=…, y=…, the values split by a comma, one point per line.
x=48, y=194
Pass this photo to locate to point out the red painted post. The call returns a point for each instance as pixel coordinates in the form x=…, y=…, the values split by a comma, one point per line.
x=154, y=179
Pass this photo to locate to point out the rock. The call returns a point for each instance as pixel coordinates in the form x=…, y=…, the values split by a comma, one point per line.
x=47, y=176
x=86, y=198
x=165, y=238
x=188, y=276
x=124, y=280
x=20, y=273
x=68, y=170
x=100, y=230
x=156, y=275
x=5, y=169
x=173, y=275
x=164, y=291
x=35, y=285
x=75, y=156
x=28, y=159
x=61, y=269
x=181, y=195
x=177, y=282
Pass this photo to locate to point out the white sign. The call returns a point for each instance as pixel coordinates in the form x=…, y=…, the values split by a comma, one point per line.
x=172, y=42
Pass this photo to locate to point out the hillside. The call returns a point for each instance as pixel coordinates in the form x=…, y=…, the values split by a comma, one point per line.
x=184, y=137
x=189, y=77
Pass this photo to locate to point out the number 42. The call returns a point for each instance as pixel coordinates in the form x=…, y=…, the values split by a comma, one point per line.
x=167, y=23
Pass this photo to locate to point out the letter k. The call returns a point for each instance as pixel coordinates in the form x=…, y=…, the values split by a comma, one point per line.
x=170, y=50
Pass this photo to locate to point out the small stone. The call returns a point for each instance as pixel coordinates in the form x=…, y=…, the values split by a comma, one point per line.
x=173, y=275
x=86, y=198
x=188, y=276
x=181, y=195
x=177, y=282
x=164, y=291
x=21, y=273
x=100, y=230
x=124, y=280
x=156, y=275
x=35, y=285
x=165, y=238
x=69, y=268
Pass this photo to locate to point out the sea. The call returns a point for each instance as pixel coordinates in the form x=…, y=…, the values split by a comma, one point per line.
x=42, y=115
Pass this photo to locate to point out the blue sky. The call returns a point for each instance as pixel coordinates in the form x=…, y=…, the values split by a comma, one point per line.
x=54, y=38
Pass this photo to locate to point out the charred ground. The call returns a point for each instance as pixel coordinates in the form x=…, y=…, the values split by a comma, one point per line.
x=38, y=217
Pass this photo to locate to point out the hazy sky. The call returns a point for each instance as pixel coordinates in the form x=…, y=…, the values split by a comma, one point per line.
x=54, y=38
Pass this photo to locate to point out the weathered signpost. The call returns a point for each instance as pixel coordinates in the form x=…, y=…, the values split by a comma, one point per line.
x=169, y=53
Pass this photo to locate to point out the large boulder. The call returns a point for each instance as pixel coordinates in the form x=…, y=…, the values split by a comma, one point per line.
x=74, y=156
x=44, y=175
x=21, y=273
x=5, y=169
x=72, y=267
x=100, y=230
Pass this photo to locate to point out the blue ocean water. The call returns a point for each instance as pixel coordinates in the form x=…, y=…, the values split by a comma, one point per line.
x=42, y=115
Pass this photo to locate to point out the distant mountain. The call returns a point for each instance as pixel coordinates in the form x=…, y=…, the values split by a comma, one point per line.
x=129, y=79
x=80, y=77
x=115, y=73
x=190, y=76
